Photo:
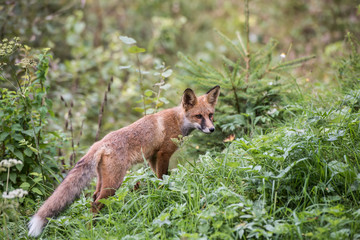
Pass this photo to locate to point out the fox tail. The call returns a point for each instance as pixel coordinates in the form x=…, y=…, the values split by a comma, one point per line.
x=77, y=179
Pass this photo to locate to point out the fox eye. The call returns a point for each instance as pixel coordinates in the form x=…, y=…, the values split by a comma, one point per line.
x=198, y=116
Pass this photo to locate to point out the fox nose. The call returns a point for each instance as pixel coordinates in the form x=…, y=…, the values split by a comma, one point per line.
x=212, y=129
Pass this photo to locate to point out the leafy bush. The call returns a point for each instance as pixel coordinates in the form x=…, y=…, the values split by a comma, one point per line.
x=24, y=110
x=151, y=102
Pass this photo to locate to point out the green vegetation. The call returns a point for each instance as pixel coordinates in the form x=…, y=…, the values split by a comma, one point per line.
x=283, y=162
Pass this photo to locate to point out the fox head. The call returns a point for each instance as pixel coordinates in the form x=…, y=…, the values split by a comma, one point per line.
x=199, y=111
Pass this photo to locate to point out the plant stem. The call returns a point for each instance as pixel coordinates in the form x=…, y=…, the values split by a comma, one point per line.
x=102, y=109
x=7, y=179
x=141, y=84
x=38, y=148
x=157, y=98
x=73, y=155
x=247, y=58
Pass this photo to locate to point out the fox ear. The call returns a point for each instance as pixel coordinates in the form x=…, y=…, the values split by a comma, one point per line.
x=212, y=95
x=189, y=99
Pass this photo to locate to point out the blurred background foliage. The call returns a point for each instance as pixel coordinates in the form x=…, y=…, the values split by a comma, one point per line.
x=84, y=40
x=287, y=122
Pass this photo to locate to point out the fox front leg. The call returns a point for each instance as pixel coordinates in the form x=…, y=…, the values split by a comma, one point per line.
x=163, y=158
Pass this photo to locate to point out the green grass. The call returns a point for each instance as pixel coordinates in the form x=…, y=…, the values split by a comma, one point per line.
x=300, y=181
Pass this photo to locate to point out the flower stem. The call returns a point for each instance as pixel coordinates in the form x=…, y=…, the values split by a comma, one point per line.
x=7, y=180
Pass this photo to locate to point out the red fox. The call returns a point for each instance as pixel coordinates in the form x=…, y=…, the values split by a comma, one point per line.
x=111, y=157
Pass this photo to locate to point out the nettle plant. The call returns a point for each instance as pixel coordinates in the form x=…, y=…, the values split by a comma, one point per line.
x=253, y=83
x=24, y=113
x=151, y=100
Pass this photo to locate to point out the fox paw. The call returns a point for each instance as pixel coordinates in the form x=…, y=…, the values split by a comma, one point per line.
x=137, y=186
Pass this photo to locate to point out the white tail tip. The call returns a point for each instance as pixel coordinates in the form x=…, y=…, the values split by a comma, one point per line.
x=36, y=225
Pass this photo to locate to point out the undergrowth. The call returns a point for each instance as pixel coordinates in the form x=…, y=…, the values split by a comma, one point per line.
x=301, y=181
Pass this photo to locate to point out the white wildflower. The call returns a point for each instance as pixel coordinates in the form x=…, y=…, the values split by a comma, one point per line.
x=15, y=193
x=272, y=111
x=283, y=55
x=5, y=163
x=9, y=163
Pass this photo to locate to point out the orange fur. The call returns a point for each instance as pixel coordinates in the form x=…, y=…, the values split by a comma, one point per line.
x=111, y=157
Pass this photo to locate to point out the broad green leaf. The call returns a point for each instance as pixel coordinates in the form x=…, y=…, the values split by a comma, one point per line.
x=36, y=190
x=148, y=93
x=28, y=152
x=19, y=155
x=136, y=49
x=29, y=132
x=138, y=109
x=16, y=127
x=25, y=185
x=13, y=177
x=3, y=136
x=17, y=137
x=10, y=147
x=37, y=179
x=19, y=167
x=159, y=104
x=148, y=101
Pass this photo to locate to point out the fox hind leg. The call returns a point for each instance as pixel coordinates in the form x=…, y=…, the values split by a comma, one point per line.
x=111, y=179
x=98, y=184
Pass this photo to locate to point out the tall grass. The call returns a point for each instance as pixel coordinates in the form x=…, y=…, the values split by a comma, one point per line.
x=300, y=181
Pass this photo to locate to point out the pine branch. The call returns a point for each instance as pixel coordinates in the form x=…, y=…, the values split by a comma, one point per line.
x=212, y=70
x=230, y=44
x=267, y=49
x=192, y=63
x=292, y=63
